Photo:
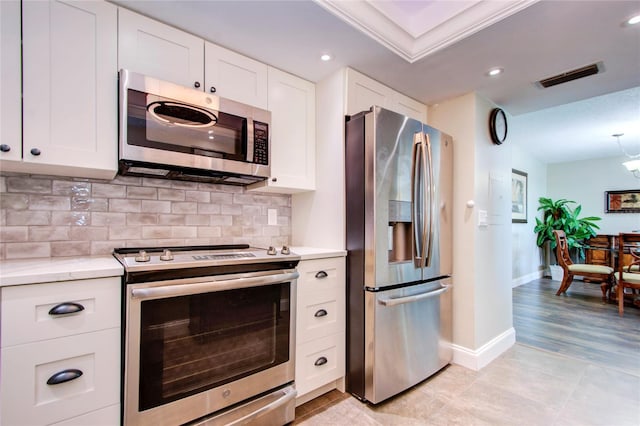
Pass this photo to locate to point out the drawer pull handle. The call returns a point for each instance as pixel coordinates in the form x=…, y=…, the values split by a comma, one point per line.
x=322, y=274
x=320, y=313
x=320, y=361
x=64, y=376
x=66, y=308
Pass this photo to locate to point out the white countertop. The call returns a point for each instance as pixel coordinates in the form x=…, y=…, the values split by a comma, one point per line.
x=50, y=269
x=307, y=253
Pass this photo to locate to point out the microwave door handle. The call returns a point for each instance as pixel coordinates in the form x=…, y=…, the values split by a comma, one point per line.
x=165, y=291
x=431, y=198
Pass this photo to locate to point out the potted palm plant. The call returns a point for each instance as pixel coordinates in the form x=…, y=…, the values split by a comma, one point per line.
x=560, y=214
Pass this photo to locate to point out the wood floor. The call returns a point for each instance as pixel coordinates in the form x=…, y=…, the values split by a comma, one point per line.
x=577, y=324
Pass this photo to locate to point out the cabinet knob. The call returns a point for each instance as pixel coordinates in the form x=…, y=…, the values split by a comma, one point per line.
x=274, y=179
x=66, y=308
x=212, y=89
x=5, y=148
x=320, y=361
x=35, y=151
x=196, y=84
x=321, y=274
x=65, y=376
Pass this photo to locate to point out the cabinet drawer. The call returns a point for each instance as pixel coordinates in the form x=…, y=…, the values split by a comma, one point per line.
x=319, y=362
x=108, y=416
x=320, y=314
x=25, y=309
x=320, y=274
x=28, y=399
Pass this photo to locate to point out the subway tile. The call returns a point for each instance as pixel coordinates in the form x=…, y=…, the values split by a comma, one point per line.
x=149, y=206
x=142, y=219
x=197, y=220
x=48, y=233
x=108, y=219
x=221, y=220
x=3, y=251
x=209, y=231
x=208, y=208
x=172, y=219
x=232, y=231
x=106, y=190
x=27, y=217
x=3, y=184
x=90, y=204
x=127, y=180
x=251, y=231
x=3, y=217
x=104, y=248
x=251, y=210
x=184, y=208
x=171, y=194
x=49, y=202
x=234, y=210
x=156, y=232
x=221, y=198
x=28, y=185
x=70, y=248
x=14, y=201
x=142, y=192
x=71, y=188
x=27, y=250
x=14, y=234
x=183, y=184
x=271, y=231
x=184, y=232
x=89, y=233
x=242, y=220
x=71, y=218
x=125, y=206
x=125, y=233
x=198, y=196
x=156, y=182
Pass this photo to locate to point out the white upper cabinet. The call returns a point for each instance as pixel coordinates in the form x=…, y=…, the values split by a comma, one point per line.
x=10, y=101
x=69, y=89
x=292, y=103
x=233, y=76
x=152, y=48
x=364, y=92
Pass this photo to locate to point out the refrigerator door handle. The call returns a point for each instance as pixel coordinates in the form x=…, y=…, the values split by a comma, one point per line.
x=431, y=202
x=414, y=298
x=418, y=160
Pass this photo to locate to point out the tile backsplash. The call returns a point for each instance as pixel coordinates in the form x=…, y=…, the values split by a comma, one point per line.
x=45, y=216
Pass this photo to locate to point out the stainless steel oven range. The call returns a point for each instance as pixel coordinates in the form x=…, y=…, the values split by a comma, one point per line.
x=208, y=336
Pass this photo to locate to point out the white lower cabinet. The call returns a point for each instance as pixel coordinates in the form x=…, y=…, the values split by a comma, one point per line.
x=320, y=324
x=57, y=367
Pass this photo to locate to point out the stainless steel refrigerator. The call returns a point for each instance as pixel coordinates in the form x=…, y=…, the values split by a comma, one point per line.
x=399, y=176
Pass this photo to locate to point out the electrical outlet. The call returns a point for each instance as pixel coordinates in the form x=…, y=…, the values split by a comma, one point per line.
x=272, y=217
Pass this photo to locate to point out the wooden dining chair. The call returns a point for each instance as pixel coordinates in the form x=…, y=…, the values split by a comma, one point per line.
x=628, y=267
x=603, y=274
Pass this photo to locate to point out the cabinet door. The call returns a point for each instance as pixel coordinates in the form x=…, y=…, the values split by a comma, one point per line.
x=409, y=107
x=152, y=48
x=70, y=87
x=292, y=103
x=233, y=76
x=363, y=93
x=10, y=102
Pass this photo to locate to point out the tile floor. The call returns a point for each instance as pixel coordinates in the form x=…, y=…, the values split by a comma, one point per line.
x=524, y=386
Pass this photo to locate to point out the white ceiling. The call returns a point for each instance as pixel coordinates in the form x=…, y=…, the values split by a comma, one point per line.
x=433, y=50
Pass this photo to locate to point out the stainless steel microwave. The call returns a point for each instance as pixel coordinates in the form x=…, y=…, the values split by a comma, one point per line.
x=175, y=132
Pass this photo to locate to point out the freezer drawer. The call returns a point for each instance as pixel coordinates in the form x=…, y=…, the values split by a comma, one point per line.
x=407, y=337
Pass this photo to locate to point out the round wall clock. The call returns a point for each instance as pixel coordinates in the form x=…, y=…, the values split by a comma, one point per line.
x=498, y=126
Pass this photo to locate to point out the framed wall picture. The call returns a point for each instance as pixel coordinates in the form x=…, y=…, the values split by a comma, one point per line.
x=622, y=201
x=518, y=196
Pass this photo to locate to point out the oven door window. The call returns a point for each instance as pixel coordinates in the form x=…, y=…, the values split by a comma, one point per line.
x=166, y=124
x=190, y=344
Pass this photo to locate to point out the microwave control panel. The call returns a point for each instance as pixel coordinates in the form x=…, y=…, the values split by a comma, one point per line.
x=260, y=143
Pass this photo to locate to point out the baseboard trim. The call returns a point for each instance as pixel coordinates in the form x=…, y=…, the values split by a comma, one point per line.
x=527, y=278
x=481, y=357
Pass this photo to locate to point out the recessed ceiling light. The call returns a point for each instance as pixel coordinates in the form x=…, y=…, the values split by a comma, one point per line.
x=494, y=71
x=633, y=20
x=325, y=57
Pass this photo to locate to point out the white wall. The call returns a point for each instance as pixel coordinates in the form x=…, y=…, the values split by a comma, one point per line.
x=482, y=261
x=586, y=182
x=527, y=261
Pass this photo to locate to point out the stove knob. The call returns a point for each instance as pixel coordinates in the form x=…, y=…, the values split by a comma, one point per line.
x=272, y=251
x=285, y=250
x=166, y=255
x=142, y=256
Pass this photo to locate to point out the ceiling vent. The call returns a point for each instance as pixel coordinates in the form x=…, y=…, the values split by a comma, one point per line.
x=571, y=75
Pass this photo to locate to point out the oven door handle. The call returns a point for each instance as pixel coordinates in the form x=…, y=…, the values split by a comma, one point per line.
x=211, y=286
x=288, y=395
